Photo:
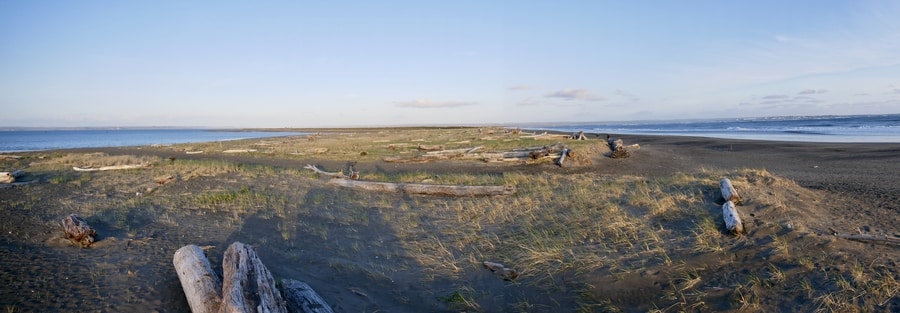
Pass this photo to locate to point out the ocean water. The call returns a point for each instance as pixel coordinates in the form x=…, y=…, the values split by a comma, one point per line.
x=37, y=140
x=851, y=128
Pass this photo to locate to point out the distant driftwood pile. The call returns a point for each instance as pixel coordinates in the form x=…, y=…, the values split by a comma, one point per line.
x=341, y=180
x=246, y=285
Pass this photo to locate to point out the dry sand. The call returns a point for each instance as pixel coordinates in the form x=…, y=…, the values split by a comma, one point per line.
x=852, y=187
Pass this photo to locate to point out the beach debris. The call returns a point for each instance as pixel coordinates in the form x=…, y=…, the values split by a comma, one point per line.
x=359, y=292
x=202, y=287
x=429, y=147
x=424, y=189
x=579, y=136
x=562, y=156
x=10, y=177
x=78, y=231
x=110, y=168
x=506, y=273
x=732, y=218
x=321, y=172
x=164, y=179
x=728, y=192
x=194, y=152
x=617, y=148
x=866, y=237
x=247, y=285
x=529, y=155
x=239, y=151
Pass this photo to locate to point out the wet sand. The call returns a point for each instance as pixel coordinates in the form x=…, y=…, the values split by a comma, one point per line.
x=129, y=269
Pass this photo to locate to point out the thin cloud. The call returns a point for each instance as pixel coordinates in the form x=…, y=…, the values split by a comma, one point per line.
x=627, y=95
x=575, y=94
x=521, y=87
x=775, y=97
x=812, y=91
x=428, y=104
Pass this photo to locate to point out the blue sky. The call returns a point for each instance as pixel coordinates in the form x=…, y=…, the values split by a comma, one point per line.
x=378, y=63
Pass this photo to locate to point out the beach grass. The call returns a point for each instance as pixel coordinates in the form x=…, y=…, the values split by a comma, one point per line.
x=583, y=241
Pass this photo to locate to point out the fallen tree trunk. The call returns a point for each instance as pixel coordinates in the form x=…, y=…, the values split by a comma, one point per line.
x=201, y=285
x=617, y=146
x=424, y=189
x=78, y=231
x=248, y=285
x=109, y=168
x=562, y=157
x=579, y=136
x=430, y=147
x=10, y=177
x=732, y=218
x=728, y=192
x=300, y=297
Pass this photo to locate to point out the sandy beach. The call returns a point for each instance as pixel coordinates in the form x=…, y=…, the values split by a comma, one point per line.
x=638, y=234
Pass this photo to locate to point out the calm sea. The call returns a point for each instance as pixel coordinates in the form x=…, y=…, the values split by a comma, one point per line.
x=856, y=128
x=36, y=140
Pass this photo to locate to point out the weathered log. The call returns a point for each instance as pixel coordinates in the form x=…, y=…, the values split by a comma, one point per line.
x=866, y=237
x=201, y=285
x=579, y=136
x=562, y=157
x=10, y=177
x=300, y=297
x=109, y=168
x=728, y=192
x=617, y=146
x=78, y=231
x=425, y=189
x=248, y=285
x=732, y=218
x=239, y=151
x=321, y=172
x=193, y=152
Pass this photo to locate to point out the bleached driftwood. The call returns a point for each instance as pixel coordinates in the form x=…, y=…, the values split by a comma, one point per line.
x=617, y=148
x=425, y=189
x=866, y=237
x=239, y=151
x=545, y=135
x=430, y=147
x=193, y=152
x=300, y=297
x=10, y=177
x=728, y=192
x=562, y=157
x=109, y=168
x=732, y=218
x=321, y=172
x=78, y=231
x=579, y=136
x=201, y=285
x=247, y=285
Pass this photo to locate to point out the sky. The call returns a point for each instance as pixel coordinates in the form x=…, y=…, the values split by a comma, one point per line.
x=385, y=63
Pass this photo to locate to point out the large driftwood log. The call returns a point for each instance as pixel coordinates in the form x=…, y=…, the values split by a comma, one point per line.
x=728, y=192
x=201, y=285
x=10, y=177
x=579, y=136
x=300, y=297
x=109, y=168
x=78, y=231
x=617, y=146
x=732, y=218
x=425, y=189
x=248, y=285
x=562, y=157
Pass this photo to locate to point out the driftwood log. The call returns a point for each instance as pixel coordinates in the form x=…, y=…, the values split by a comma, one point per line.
x=425, y=189
x=109, y=168
x=728, y=192
x=562, y=157
x=321, y=172
x=201, y=285
x=866, y=237
x=504, y=272
x=732, y=218
x=301, y=297
x=10, y=177
x=78, y=231
x=247, y=285
x=579, y=136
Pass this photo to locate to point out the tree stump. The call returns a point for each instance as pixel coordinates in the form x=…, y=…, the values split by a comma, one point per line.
x=78, y=231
